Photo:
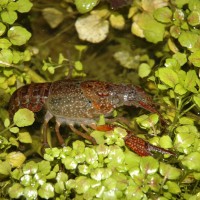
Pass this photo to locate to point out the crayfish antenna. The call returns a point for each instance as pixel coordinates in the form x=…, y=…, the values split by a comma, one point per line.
x=143, y=148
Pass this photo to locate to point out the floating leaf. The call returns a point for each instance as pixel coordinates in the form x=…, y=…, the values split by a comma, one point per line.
x=163, y=14
x=15, y=191
x=84, y=6
x=92, y=28
x=194, y=58
x=5, y=168
x=192, y=161
x=25, y=137
x=9, y=16
x=46, y=191
x=173, y=187
x=153, y=30
x=30, y=192
x=168, y=76
x=24, y=6
x=99, y=174
x=169, y=172
x=149, y=165
x=53, y=16
x=165, y=142
x=15, y=159
x=117, y=21
x=190, y=81
x=144, y=70
x=188, y=39
x=2, y=28
x=194, y=18
x=18, y=35
x=196, y=99
x=23, y=117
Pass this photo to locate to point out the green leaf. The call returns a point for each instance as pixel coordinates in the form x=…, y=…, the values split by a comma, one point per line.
x=23, y=117
x=165, y=142
x=190, y=81
x=196, y=99
x=188, y=39
x=15, y=191
x=168, y=76
x=149, y=165
x=194, y=18
x=6, y=56
x=18, y=35
x=184, y=140
x=24, y=6
x=25, y=137
x=4, y=43
x=180, y=57
x=169, y=172
x=9, y=16
x=180, y=89
x=30, y=168
x=14, y=129
x=153, y=30
x=84, y=6
x=15, y=159
x=144, y=70
x=2, y=28
x=69, y=162
x=194, y=58
x=5, y=168
x=163, y=15
x=192, y=161
x=194, y=5
x=78, y=66
x=99, y=174
x=46, y=191
x=91, y=155
x=173, y=187
x=3, y=2
x=30, y=192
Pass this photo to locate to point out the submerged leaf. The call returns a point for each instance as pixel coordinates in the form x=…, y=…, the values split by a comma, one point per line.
x=92, y=28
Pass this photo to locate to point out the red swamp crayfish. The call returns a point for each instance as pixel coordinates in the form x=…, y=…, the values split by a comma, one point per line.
x=76, y=102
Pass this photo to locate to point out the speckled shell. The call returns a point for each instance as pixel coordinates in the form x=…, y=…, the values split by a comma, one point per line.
x=32, y=97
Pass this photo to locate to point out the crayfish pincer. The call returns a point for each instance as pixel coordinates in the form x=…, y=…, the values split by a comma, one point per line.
x=76, y=102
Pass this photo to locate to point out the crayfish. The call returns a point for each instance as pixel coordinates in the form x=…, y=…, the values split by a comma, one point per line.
x=76, y=102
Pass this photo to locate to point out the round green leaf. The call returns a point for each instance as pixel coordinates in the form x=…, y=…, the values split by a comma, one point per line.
x=192, y=161
x=4, y=43
x=9, y=16
x=46, y=191
x=24, y=6
x=153, y=30
x=2, y=28
x=18, y=35
x=69, y=162
x=194, y=58
x=5, y=168
x=168, y=76
x=173, y=187
x=196, y=99
x=165, y=142
x=15, y=191
x=169, y=172
x=15, y=159
x=25, y=137
x=78, y=66
x=84, y=6
x=144, y=70
x=149, y=165
x=30, y=168
x=163, y=14
x=23, y=117
x=188, y=39
x=30, y=193
x=194, y=18
x=190, y=81
x=6, y=56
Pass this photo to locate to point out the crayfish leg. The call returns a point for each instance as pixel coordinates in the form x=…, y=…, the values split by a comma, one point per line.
x=60, y=138
x=47, y=117
x=105, y=127
x=87, y=137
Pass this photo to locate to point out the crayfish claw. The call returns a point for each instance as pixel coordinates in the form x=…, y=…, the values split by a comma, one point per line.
x=143, y=148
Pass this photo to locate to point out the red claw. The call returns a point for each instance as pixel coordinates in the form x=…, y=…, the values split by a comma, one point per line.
x=141, y=147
